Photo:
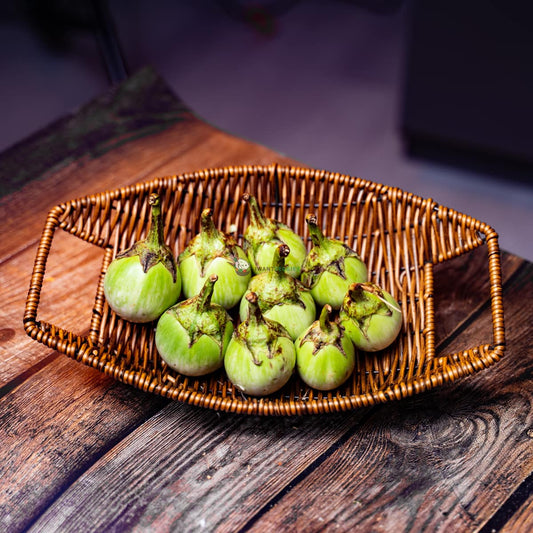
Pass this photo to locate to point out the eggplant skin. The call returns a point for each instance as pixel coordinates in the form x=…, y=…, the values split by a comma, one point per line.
x=294, y=318
x=257, y=373
x=232, y=280
x=326, y=369
x=378, y=332
x=137, y=296
x=174, y=346
x=331, y=287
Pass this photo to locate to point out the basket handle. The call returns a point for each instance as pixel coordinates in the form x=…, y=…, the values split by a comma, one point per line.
x=496, y=290
x=56, y=338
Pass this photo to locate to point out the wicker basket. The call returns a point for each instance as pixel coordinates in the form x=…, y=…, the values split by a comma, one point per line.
x=399, y=236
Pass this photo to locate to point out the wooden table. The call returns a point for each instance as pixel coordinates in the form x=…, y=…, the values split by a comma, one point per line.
x=80, y=451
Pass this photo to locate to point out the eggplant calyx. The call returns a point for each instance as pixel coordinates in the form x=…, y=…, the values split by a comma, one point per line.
x=286, y=293
x=153, y=249
x=325, y=332
x=315, y=265
x=149, y=256
x=199, y=316
x=365, y=300
x=258, y=333
x=326, y=255
x=209, y=244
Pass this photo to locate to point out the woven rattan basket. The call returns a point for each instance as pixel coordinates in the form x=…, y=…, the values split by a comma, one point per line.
x=400, y=236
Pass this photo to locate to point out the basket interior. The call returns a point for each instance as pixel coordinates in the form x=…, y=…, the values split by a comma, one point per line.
x=398, y=235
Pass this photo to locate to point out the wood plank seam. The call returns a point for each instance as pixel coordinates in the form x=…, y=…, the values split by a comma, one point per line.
x=83, y=468
x=308, y=470
x=510, y=506
x=12, y=384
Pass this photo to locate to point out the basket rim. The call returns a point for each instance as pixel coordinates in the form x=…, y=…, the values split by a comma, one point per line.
x=82, y=348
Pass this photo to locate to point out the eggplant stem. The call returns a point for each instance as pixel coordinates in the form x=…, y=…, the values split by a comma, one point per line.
x=278, y=261
x=255, y=316
x=155, y=236
x=325, y=324
x=257, y=218
x=207, y=225
x=205, y=294
x=315, y=232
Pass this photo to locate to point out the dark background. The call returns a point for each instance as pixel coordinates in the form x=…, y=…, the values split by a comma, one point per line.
x=433, y=97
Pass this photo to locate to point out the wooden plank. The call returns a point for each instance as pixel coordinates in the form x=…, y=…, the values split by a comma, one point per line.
x=186, y=145
x=66, y=418
x=461, y=287
x=68, y=292
x=181, y=148
x=53, y=427
x=441, y=460
x=187, y=469
x=137, y=131
x=139, y=107
x=320, y=450
x=521, y=520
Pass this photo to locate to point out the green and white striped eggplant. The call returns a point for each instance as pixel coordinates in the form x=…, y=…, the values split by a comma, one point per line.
x=213, y=252
x=143, y=281
x=263, y=235
x=330, y=267
x=192, y=336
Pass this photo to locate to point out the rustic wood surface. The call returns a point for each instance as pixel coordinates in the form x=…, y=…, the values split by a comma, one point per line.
x=82, y=452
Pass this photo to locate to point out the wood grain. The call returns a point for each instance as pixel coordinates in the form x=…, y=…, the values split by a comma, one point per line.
x=183, y=147
x=53, y=427
x=432, y=462
x=83, y=452
x=67, y=299
x=461, y=289
x=20, y=245
x=522, y=520
x=443, y=461
x=187, y=469
x=318, y=445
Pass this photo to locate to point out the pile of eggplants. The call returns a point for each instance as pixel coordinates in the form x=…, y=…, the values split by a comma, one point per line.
x=263, y=311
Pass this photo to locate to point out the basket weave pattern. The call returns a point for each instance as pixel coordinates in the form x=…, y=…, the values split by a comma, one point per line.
x=398, y=235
